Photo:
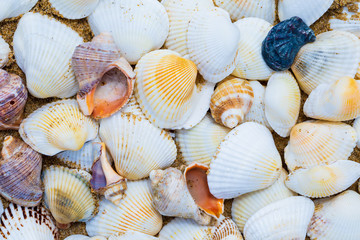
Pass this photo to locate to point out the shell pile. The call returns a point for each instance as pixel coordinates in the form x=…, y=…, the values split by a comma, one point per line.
x=174, y=110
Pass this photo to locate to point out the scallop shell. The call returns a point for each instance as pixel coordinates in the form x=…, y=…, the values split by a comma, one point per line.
x=314, y=143
x=333, y=55
x=133, y=107
x=132, y=235
x=231, y=101
x=136, y=146
x=4, y=52
x=74, y=9
x=1, y=207
x=308, y=10
x=134, y=212
x=138, y=26
x=226, y=229
x=43, y=48
x=356, y=126
x=251, y=64
x=185, y=229
x=285, y=219
x=244, y=206
x=14, y=8
x=212, y=42
x=83, y=237
x=33, y=223
x=336, y=217
x=348, y=21
x=257, y=167
x=282, y=102
x=13, y=96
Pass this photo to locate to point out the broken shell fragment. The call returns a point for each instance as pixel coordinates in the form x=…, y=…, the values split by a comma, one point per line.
x=4, y=52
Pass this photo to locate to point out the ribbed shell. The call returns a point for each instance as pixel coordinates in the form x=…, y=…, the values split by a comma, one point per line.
x=356, y=126
x=14, y=8
x=333, y=55
x=74, y=9
x=226, y=229
x=247, y=160
x=132, y=235
x=83, y=237
x=348, y=21
x=315, y=143
x=231, y=101
x=4, y=52
x=212, y=42
x=43, y=48
x=134, y=212
x=133, y=107
x=1, y=207
x=185, y=229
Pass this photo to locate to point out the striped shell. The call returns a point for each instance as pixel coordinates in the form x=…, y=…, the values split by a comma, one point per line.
x=14, y=8
x=74, y=9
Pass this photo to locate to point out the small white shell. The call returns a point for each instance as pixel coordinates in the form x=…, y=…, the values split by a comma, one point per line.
x=348, y=22
x=74, y=9
x=83, y=237
x=14, y=8
x=132, y=235
x=185, y=229
x=4, y=52
x=356, y=126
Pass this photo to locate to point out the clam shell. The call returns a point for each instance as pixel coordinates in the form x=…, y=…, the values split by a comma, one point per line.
x=282, y=102
x=226, y=229
x=185, y=229
x=251, y=64
x=14, y=8
x=348, y=21
x=132, y=235
x=257, y=167
x=83, y=237
x=285, y=219
x=333, y=55
x=356, y=126
x=74, y=9
x=212, y=42
x=138, y=26
x=33, y=223
x=4, y=52
x=134, y=212
x=43, y=48
x=314, y=143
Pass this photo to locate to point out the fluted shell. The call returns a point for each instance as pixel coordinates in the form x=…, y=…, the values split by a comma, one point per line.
x=284, y=219
x=347, y=21
x=180, y=13
x=136, y=146
x=244, y=206
x=1, y=207
x=308, y=10
x=83, y=237
x=231, y=101
x=185, y=229
x=356, y=126
x=252, y=34
x=212, y=42
x=74, y=9
x=132, y=235
x=226, y=229
x=246, y=160
x=282, y=102
x=314, y=143
x=14, y=8
x=138, y=26
x=333, y=55
x=4, y=52
x=336, y=217
x=33, y=223
x=133, y=107
x=134, y=212
x=43, y=48
x=13, y=96
x=199, y=143
x=338, y=101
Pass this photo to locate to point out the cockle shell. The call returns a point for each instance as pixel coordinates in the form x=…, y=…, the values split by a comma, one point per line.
x=33, y=223
x=105, y=79
x=132, y=235
x=333, y=55
x=43, y=48
x=83, y=237
x=138, y=26
x=226, y=229
x=14, y=8
x=74, y=9
x=356, y=126
x=212, y=42
x=348, y=21
x=231, y=101
x=13, y=96
x=133, y=107
x=20, y=169
x=4, y=52
x=246, y=160
x=314, y=143
x=282, y=102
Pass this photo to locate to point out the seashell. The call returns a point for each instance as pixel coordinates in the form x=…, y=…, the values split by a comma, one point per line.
x=333, y=55
x=74, y=9
x=185, y=229
x=43, y=48
x=83, y=237
x=1, y=207
x=264, y=9
x=4, y=52
x=231, y=175
x=199, y=143
x=251, y=64
x=337, y=101
x=282, y=102
x=30, y=223
x=348, y=21
x=180, y=13
x=105, y=80
x=136, y=146
x=325, y=180
x=244, y=206
x=133, y=107
x=67, y=195
x=212, y=42
x=132, y=235
x=138, y=26
x=356, y=126
x=231, y=101
x=226, y=229
x=134, y=212
x=56, y=127
x=20, y=169
x=314, y=143
x=14, y=8
x=336, y=217
x=307, y=10
x=13, y=96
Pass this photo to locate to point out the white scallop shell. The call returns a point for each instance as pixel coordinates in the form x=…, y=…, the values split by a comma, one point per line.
x=132, y=235
x=285, y=219
x=74, y=9
x=137, y=26
x=247, y=160
x=185, y=229
x=356, y=126
x=226, y=229
x=348, y=22
x=4, y=52
x=43, y=48
x=14, y=8
x=83, y=237
x=133, y=107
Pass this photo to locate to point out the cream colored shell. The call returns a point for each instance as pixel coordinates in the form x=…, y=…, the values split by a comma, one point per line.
x=74, y=9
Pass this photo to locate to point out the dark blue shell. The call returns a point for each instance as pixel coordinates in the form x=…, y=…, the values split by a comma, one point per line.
x=284, y=41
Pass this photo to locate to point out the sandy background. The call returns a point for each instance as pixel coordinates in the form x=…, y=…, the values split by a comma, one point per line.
x=8, y=27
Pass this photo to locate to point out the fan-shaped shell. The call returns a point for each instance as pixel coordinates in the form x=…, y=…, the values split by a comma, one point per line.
x=1, y=207
x=185, y=229
x=226, y=229
x=356, y=126
x=132, y=235
x=14, y=8
x=74, y=9
x=348, y=21
x=83, y=237
x=4, y=52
